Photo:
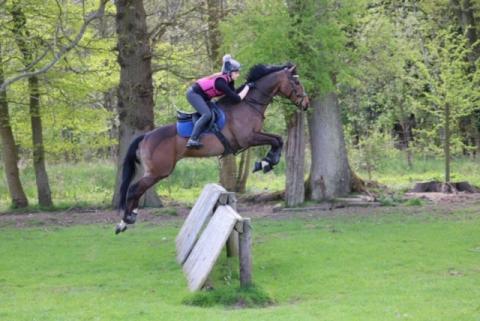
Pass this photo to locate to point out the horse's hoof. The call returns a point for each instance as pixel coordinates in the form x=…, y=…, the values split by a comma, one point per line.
x=257, y=167
x=121, y=227
x=267, y=168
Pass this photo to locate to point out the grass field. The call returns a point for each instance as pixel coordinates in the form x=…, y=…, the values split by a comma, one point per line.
x=390, y=266
x=91, y=184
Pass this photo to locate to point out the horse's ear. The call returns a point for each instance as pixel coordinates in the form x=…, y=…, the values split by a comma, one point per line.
x=293, y=69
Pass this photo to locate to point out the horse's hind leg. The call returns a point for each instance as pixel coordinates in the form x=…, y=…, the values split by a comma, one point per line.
x=134, y=194
x=157, y=166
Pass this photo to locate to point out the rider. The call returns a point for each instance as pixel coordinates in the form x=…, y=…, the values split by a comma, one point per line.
x=204, y=89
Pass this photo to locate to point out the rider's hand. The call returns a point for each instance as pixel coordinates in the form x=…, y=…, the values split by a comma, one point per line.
x=251, y=85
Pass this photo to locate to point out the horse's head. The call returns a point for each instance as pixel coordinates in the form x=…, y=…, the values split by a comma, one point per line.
x=291, y=88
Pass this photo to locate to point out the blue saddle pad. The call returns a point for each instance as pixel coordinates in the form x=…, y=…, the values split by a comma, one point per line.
x=185, y=122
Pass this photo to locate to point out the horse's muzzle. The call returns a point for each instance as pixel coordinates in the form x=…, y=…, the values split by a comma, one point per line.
x=305, y=103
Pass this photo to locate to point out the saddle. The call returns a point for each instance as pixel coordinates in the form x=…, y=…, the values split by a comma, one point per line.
x=186, y=121
x=217, y=113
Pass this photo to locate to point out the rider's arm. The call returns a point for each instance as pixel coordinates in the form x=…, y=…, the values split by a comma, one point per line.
x=221, y=84
x=244, y=91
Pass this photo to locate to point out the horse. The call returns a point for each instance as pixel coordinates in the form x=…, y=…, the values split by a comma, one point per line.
x=159, y=150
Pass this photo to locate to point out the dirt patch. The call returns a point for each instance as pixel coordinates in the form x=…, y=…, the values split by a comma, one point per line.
x=446, y=198
x=78, y=217
x=438, y=203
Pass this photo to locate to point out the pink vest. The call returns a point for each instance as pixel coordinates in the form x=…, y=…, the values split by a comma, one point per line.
x=208, y=84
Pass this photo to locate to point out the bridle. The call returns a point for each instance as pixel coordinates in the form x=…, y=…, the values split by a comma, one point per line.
x=254, y=103
x=293, y=84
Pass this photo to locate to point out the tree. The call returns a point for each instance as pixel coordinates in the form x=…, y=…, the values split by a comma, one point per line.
x=9, y=149
x=452, y=91
x=323, y=45
x=295, y=123
x=466, y=19
x=135, y=91
x=57, y=55
x=330, y=175
x=228, y=165
x=295, y=159
x=22, y=38
x=271, y=25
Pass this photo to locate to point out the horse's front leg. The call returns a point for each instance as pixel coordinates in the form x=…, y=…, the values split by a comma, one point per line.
x=273, y=156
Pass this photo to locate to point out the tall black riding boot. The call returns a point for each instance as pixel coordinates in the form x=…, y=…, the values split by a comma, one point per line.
x=194, y=141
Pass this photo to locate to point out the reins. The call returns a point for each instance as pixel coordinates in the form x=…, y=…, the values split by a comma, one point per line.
x=253, y=103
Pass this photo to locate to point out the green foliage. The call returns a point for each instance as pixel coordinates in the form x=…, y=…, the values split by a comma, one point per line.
x=414, y=202
x=445, y=71
x=309, y=34
x=74, y=117
x=370, y=150
x=91, y=184
x=395, y=173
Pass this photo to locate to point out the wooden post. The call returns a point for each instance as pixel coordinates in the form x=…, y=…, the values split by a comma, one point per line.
x=246, y=255
x=232, y=243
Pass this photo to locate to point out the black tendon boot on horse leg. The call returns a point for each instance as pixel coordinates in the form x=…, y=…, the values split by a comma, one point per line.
x=272, y=158
x=266, y=164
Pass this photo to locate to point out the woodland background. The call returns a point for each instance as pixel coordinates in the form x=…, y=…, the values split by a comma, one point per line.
x=394, y=87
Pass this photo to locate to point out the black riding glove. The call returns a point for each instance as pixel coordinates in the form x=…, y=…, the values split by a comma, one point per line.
x=251, y=84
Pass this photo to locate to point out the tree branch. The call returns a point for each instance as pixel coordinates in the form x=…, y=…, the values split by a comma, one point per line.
x=65, y=49
x=159, y=30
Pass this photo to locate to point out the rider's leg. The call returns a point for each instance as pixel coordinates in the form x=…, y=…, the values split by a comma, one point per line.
x=201, y=106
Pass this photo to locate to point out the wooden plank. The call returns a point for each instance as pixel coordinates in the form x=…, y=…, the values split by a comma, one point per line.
x=201, y=260
x=200, y=213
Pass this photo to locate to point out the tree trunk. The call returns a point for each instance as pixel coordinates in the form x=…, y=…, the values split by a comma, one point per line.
x=9, y=150
x=295, y=157
x=109, y=103
x=22, y=39
x=466, y=19
x=329, y=174
x=135, y=91
x=228, y=165
x=243, y=171
x=228, y=173
x=446, y=143
x=214, y=9
x=43, y=186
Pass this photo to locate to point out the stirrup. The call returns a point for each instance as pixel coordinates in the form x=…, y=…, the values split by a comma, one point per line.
x=193, y=143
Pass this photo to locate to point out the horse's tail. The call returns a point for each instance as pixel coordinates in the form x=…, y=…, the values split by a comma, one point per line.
x=128, y=171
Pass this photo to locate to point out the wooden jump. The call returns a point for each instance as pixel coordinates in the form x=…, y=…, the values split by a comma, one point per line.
x=212, y=222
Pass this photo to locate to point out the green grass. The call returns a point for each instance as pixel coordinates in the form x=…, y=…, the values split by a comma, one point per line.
x=395, y=173
x=386, y=267
x=230, y=296
x=91, y=184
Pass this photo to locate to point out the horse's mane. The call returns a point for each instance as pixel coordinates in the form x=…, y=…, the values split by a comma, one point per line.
x=261, y=70
x=255, y=73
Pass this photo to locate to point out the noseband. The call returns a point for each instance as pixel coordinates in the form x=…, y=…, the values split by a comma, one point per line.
x=294, y=92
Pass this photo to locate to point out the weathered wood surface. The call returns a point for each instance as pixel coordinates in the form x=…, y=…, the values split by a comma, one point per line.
x=232, y=243
x=245, y=254
x=202, y=258
x=200, y=213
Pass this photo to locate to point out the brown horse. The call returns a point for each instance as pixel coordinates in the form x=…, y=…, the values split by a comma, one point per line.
x=160, y=150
